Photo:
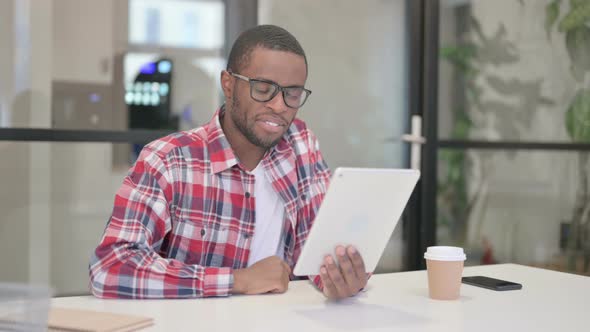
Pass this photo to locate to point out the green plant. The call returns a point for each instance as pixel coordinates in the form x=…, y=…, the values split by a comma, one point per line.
x=575, y=25
x=454, y=205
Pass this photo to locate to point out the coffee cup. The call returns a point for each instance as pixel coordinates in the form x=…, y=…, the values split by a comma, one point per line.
x=445, y=267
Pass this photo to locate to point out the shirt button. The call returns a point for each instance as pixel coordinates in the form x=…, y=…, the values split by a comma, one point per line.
x=203, y=232
x=247, y=194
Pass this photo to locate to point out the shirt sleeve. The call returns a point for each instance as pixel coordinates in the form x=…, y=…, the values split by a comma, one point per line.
x=126, y=263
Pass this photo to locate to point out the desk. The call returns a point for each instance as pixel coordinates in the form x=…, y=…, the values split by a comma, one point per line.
x=549, y=301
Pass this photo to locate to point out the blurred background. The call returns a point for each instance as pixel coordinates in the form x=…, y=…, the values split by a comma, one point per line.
x=498, y=92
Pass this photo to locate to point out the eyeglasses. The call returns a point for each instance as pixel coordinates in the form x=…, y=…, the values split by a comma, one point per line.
x=265, y=90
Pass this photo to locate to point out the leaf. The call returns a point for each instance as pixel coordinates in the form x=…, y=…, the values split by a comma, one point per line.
x=577, y=42
x=576, y=18
x=460, y=56
x=551, y=15
x=577, y=117
x=576, y=3
x=462, y=127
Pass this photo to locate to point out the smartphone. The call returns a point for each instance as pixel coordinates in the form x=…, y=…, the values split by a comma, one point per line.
x=491, y=283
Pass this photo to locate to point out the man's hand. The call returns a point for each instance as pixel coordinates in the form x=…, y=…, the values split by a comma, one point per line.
x=270, y=275
x=346, y=280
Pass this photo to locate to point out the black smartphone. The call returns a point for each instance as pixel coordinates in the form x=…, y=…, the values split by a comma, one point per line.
x=491, y=283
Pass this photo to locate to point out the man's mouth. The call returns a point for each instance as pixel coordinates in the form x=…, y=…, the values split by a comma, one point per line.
x=273, y=120
x=273, y=124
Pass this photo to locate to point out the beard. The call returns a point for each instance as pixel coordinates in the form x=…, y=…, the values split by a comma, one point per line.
x=240, y=119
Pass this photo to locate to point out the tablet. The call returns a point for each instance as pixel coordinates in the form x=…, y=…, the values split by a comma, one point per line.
x=361, y=208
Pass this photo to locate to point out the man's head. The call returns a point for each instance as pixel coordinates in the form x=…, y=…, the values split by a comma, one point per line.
x=269, y=37
x=271, y=55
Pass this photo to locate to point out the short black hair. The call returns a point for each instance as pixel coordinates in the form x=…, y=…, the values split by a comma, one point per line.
x=267, y=36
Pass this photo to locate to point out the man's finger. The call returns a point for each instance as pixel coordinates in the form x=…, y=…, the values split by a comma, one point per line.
x=287, y=267
x=348, y=271
x=336, y=276
x=359, y=265
x=287, y=275
x=279, y=289
x=329, y=288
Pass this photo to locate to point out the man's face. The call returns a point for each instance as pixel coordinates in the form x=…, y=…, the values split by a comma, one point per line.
x=264, y=123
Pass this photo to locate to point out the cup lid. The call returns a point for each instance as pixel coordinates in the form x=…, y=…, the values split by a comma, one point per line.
x=444, y=253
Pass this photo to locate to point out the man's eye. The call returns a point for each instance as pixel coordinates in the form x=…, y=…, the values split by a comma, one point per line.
x=294, y=93
x=262, y=88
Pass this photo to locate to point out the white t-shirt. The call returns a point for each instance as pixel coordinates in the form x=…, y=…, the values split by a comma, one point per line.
x=268, y=227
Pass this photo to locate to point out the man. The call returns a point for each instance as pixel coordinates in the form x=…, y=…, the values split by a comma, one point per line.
x=226, y=208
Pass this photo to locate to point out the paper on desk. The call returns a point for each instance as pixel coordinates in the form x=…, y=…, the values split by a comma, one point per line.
x=75, y=320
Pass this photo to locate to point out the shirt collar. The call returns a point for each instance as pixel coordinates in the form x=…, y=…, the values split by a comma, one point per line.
x=220, y=151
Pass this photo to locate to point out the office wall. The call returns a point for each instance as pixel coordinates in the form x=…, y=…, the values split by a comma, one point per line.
x=25, y=99
x=83, y=44
x=14, y=221
x=6, y=60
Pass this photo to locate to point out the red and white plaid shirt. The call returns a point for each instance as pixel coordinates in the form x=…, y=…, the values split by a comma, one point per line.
x=184, y=217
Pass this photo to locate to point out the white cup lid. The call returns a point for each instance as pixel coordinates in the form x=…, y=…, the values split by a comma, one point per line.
x=444, y=253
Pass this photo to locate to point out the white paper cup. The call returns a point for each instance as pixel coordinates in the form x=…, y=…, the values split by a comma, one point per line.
x=445, y=267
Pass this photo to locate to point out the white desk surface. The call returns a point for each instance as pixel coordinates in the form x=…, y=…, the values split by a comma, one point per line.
x=549, y=301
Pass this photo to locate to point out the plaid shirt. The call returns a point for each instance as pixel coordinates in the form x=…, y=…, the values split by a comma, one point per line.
x=184, y=217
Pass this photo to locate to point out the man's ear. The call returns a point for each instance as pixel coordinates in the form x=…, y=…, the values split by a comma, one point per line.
x=227, y=84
